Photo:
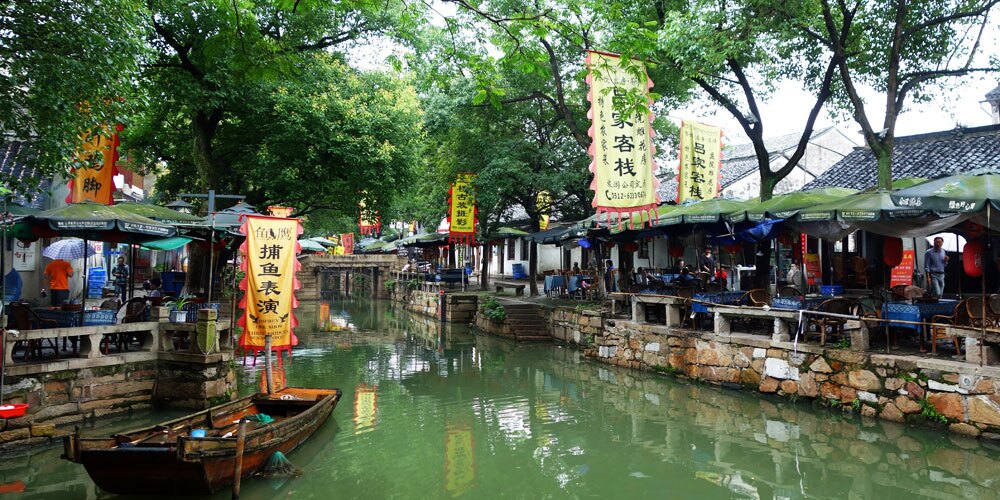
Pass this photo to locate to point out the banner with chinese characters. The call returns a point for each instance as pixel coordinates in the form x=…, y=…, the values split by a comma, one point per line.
x=368, y=223
x=270, y=264
x=365, y=407
x=347, y=240
x=459, y=459
x=621, y=149
x=701, y=160
x=277, y=211
x=544, y=204
x=903, y=273
x=813, y=271
x=462, y=212
x=93, y=177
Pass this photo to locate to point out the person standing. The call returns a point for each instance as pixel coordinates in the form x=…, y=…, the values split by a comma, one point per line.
x=121, y=275
x=935, y=260
x=58, y=271
x=707, y=262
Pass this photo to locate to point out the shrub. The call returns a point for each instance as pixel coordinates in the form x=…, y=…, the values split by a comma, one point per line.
x=494, y=310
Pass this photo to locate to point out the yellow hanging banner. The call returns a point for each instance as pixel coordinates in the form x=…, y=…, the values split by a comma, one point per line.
x=93, y=178
x=622, y=152
x=270, y=264
x=544, y=203
x=701, y=161
x=462, y=214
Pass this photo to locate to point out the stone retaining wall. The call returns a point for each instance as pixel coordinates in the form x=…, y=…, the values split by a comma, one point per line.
x=937, y=392
x=460, y=307
x=72, y=396
x=573, y=326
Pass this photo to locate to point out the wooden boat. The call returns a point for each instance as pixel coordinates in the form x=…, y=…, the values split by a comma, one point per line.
x=167, y=459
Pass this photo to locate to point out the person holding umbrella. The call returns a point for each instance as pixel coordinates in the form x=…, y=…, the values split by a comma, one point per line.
x=59, y=271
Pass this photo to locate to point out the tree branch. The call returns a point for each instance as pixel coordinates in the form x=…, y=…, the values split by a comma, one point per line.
x=983, y=9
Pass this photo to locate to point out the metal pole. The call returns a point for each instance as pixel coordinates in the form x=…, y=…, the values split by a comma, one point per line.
x=83, y=300
x=211, y=258
x=3, y=305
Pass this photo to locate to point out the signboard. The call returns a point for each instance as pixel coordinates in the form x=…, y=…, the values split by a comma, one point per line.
x=903, y=273
x=813, y=270
x=277, y=211
x=269, y=263
x=25, y=255
x=347, y=240
x=95, y=167
x=622, y=151
x=462, y=212
x=543, y=203
x=701, y=160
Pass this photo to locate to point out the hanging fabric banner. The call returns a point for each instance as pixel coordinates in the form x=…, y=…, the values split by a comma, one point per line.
x=93, y=178
x=368, y=223
x=270, y=264
x=544, y=203
x=347, y=240
x=277, y=211
x=462, y=212
x=701, y=162
x=621, y=149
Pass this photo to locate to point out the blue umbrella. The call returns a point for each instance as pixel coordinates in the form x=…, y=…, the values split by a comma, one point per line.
x=68, y=249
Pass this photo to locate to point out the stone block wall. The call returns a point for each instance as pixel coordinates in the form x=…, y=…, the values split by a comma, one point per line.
x=72, y=396
x=573, y=326
x=963, y=397
x=195, y=386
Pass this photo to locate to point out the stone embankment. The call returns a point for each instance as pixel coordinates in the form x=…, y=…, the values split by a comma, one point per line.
x=963, y=397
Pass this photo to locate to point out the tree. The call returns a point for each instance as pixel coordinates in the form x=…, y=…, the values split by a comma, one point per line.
x=60, y=58
x=904, y=49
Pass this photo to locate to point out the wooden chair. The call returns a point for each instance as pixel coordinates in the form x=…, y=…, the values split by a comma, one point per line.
x=789, y=291
x=758, y=297
x=686, y=293
x=959, y=317
x=860, y=268
x=994, y=309
x=134, y=312
x=22, y=317
x=835, y=324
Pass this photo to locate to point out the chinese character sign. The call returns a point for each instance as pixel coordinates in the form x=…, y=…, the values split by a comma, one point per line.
x=544, y=203
x=462, y=214
x=93, y=177
x=277, y=211
x=347, y=240
x=622, y=148
x=270, y=263
x=701, y=157
x=368, y=223
x=903, y=273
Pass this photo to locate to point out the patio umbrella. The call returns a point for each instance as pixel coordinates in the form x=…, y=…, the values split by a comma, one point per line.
x=92, y=221
x=954, y=193
x=311, y=246
x=167, y=244
x=68, y=249
x=504, y=233
x=156, y=212
x=788, y=204
x=704, y=211
x=375, y=246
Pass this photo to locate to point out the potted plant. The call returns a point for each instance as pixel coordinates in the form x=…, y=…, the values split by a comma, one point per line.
x=177, y=312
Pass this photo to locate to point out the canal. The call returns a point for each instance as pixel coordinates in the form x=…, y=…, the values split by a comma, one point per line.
x=432, y=411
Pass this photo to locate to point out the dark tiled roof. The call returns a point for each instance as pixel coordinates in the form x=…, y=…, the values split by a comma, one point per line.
x=993, y=95
x=27, y=182
x=738, y=161
x=925, y=155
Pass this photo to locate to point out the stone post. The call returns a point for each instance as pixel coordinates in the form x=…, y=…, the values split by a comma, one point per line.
x=206, y=331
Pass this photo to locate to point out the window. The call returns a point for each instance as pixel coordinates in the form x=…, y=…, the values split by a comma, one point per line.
x=510, y=248
x=644, y=249
x=525, y=248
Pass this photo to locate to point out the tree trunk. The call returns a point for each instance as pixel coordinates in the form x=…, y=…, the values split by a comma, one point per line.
x=484, y=270
x=884, y=158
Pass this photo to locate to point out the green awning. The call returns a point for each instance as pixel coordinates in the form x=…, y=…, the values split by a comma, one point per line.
x=787, y=205
x=167, y=243
x=156, y=212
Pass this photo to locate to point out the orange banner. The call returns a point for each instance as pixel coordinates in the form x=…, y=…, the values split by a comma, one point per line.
x=621, y=149
x=903, y=273
x=93, y=178
x=347, y=239
x=270, y=264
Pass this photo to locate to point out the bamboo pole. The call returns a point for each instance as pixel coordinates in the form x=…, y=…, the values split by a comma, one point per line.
x=267, y=364
x=241, y=437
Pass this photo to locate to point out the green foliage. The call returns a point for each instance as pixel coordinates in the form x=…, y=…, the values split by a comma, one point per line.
x=413, y=284
x=494, y=310
x=844, y=343
x=930, y=412
x=856, y=404
x=390, y=285
x=57, y=57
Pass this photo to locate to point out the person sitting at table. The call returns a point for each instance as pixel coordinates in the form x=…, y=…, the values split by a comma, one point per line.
x=685, y=277
x=679, y=266
x=641, y=277
x=576, y=268
x=155, y=286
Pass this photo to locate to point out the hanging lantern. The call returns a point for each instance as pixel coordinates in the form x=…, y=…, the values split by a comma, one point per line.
x=629, y=247
x=676, y=250
x=733, y=248
x=892, y=251
x=972, y=258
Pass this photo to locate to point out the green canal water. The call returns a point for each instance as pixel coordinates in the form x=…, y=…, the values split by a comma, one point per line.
x=432, y=411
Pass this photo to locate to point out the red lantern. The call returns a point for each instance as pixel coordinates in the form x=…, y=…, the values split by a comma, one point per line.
x=676, y=250
x=892, y=251
x=972, y=258
x=733, y=248
x=629, y=247
x=786, y=238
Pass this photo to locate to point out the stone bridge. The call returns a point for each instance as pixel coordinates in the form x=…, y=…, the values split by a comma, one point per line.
x=346, y=275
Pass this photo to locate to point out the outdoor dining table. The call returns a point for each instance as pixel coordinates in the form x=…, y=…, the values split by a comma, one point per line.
x=553, y=282
x=71, y=319
x=797, y=303
x=917, y=312
x=698, y=305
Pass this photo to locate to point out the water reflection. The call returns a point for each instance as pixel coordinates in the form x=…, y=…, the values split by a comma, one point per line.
x=431, y=411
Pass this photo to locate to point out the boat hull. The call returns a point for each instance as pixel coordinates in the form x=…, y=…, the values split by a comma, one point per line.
x=184, y=465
